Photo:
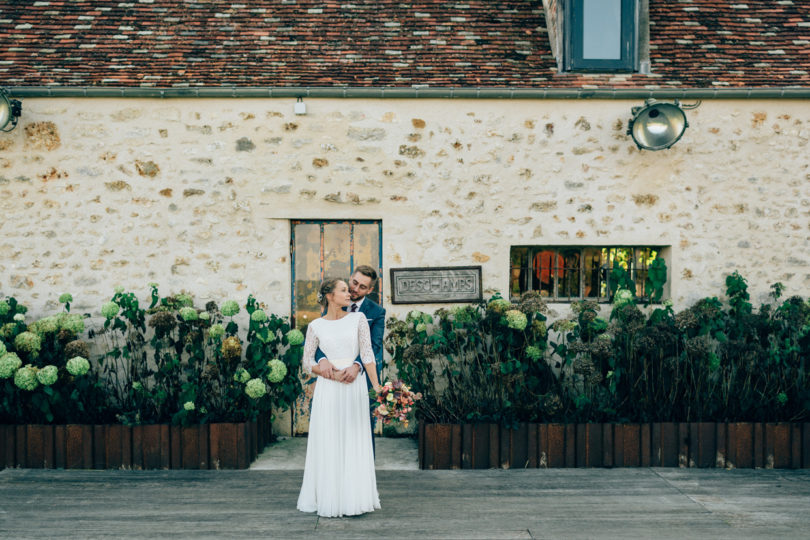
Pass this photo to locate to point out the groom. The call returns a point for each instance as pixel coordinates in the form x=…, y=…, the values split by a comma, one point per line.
x=360, y=284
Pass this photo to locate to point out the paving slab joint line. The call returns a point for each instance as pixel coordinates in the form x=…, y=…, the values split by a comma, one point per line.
x=700, y=504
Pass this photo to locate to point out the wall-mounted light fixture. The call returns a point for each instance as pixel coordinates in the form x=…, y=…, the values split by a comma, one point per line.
x=300, y=106
x=10, y=111
x=658, y=125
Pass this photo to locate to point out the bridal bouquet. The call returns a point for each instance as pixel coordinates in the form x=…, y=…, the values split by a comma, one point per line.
x=394, y=402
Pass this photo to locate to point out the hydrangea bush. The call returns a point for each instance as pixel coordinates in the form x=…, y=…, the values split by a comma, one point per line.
x=474, y=363
x=35, y=384
x=716, y=361
x=170, y=361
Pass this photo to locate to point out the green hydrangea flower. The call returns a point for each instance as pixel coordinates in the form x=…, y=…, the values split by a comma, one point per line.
x=563, y=325
x=77, y=366
x=44, y=326
x=258, y=316
x=47, y=375
x=184, y=299
x=782, y=398
x=137, y=386
x=7, y=330
x=28, y=342
x=622, y=297
x=241, y=375
x=216, y=331
x=516, y=319
x=153, y=284
x=189, y=406
x=499, y=305
x=4, y=308
x=19, y=317
x=421, y=327
x=295, y=337
x=72, y=322
x=119, y=289
x=9, y=364
x=230, y=308
x=26, y=378
x=204, y=315
x=65, y=298
x=278, y=370
x=110, y=310
x=188, y=314
x=2, y=349
x=255, y=388
x=462, y=314
x=534, y=352
x=539, y=327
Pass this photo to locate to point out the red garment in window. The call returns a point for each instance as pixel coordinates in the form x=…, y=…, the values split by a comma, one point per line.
x=544, y=269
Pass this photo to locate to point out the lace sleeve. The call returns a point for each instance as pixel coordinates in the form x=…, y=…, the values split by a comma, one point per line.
x=310, y=346
x=364, y=340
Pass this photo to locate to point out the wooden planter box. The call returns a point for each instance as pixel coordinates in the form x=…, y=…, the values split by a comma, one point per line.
x=157, y=446
x=700, y=444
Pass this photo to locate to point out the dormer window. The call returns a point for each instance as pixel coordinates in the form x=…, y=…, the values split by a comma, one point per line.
x=601, y=35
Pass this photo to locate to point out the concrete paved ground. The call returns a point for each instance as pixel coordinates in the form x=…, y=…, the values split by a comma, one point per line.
x=553, y=503
x=289, y=453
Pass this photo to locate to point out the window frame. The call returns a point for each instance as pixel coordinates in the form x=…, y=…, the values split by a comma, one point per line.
x=530, y=274
x=574, y=34
x=376, y=295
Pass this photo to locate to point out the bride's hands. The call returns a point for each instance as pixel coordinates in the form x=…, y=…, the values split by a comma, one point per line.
x=348, y=375
x=326, y=368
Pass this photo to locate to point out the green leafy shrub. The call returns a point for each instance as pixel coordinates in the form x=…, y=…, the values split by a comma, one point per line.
x=36, y=383
x=714, y=361
x=475, y=363
x=169, y=361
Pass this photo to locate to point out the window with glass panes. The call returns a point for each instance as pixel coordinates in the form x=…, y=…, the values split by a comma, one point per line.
x=601, y=35
x=330, y=249
x=568, y=273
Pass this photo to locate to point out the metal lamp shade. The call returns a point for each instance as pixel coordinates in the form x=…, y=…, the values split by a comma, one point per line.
x=657, y=126
x=10, y=110
x=5, y=111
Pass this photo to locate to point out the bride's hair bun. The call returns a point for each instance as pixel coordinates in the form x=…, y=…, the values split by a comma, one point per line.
x=327, y=287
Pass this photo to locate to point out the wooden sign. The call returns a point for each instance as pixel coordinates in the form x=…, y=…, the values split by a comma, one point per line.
x=436, y=285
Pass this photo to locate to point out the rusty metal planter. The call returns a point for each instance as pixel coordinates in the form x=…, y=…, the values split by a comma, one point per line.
x=157, y=446
x=668, y=444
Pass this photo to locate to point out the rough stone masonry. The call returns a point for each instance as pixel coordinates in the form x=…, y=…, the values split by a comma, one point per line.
x=197, y=194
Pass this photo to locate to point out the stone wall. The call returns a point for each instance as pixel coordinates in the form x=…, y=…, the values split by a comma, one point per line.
x=197, y=194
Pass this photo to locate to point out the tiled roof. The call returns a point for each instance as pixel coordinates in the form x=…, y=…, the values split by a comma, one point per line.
x=381, y=43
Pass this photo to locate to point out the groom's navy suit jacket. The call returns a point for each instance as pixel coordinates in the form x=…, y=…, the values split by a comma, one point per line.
x=375, y=316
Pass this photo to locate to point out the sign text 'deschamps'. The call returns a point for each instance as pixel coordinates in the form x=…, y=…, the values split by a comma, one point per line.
x=435, y=285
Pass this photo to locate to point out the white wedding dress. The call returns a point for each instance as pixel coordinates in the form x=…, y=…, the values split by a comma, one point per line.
x=339, y=477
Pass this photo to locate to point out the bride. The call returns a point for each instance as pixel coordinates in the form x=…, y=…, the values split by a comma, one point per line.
x=339, y=477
